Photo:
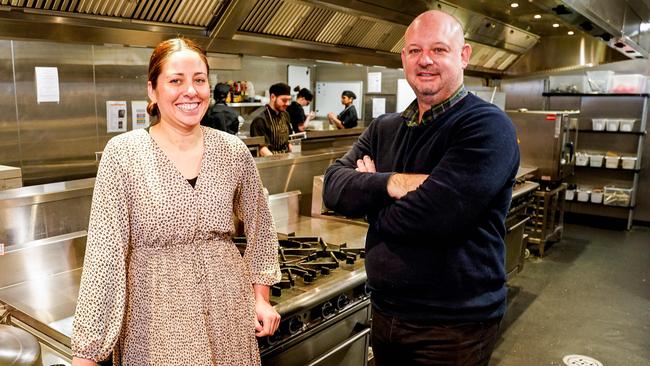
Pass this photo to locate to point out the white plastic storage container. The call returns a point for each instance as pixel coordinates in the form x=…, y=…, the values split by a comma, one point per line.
x=612, y=125
x=626, y=125
x=614, y=196
x=628, y=84
x=568, y=84
x=596, y=196
x=628, y=162
x=596, y=160
x=598, y=124
x=583, y=194
x=611, y=162
x=570, y=194
x=582, y=158
x=599, y=81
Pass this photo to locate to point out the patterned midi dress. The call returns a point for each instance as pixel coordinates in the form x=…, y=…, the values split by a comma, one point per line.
x=162, y=282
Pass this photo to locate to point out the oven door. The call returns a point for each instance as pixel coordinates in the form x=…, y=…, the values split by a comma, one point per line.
x=339, y=341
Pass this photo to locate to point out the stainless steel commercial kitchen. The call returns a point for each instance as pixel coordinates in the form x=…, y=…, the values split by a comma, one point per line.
x=578, y=273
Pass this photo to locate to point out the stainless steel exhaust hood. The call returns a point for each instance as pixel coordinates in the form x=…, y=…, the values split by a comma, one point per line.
x=353, y=31
x=622, y=24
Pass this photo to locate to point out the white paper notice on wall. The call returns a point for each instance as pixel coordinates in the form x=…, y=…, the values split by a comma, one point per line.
x=47, y=84
x=374, y=82
x=378, y=107
x=139, y=116
x=115, y=116
x=2, y=249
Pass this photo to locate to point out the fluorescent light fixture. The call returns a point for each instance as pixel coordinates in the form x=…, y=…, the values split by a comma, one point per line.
x=555, y=25
x=537, y=16
x=514, y=5
x=570, y=33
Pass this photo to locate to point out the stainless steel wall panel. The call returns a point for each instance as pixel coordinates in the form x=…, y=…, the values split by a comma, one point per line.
x=120, y=74
x=55, y=136
x=9, y=133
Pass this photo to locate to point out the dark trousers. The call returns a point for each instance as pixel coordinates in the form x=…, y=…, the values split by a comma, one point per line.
x=399, y=342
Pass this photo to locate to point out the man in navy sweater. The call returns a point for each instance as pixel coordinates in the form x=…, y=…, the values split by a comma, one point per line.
x=435, y=184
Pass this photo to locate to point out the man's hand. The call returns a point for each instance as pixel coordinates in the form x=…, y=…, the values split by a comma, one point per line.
x=366, y=165
x=400, y=184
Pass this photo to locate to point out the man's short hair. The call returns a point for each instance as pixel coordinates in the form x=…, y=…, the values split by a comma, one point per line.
x=280, y=89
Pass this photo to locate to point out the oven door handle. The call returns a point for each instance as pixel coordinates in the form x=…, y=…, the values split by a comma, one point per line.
x=341, y=346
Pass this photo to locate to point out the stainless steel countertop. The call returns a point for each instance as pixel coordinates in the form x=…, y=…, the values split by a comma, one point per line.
x=51, y=300
x=319, y=134
x=524, y=188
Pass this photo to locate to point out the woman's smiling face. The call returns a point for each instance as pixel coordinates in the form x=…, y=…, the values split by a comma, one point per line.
x=182, y=91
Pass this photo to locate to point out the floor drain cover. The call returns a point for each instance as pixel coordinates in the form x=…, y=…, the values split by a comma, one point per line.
x=580, y=360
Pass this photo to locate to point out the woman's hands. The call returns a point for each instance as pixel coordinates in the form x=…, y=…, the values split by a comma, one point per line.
x=267, y=319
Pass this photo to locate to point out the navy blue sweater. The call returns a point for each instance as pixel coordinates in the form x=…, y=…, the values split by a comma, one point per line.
x=438, y=253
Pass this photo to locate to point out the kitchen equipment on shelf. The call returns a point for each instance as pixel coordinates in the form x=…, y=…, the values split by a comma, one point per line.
x=628, y=162
x=596, y=160
x=628, y=84
x=599, y=81
x=612, y=125
x=583, y=194
x=612, y=160
x=627, y=124
x=615, y=196
x=598, y=124
x=582, y=158
x=597, y=195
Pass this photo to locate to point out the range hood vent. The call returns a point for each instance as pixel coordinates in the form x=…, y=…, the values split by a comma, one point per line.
x=310, y=23
x=182, y=12
x=615, y=22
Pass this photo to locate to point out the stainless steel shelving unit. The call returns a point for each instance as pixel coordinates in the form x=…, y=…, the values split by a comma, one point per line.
x=611, y=106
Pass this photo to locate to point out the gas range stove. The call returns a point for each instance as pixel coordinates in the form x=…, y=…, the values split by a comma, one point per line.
x=322, y=284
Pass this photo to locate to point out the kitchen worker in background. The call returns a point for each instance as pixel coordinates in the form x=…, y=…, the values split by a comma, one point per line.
x=274, y=123
x=220, y=116
x=435, y=182
x=348, y=118
x=162, y=282
x=296, y=112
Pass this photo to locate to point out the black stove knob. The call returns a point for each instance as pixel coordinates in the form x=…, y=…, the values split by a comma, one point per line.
x=342, y=301
x=325, y=271
x=327, y=310
x=295, y=325
x=350, y=259
x=308, y=278
x=274, y=339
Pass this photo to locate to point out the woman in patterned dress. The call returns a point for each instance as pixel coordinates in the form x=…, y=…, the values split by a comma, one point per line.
x=162, y=282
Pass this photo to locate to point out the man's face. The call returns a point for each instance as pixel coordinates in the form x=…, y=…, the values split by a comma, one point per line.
x=434, y=57
x=280, y=103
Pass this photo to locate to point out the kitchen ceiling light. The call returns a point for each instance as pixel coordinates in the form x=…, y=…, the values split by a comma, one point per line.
x=514, y=5
x=570, y=33
x=537, y=16
x=555, y=25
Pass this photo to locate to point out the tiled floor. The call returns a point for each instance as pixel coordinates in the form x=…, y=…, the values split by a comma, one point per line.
x=589, y=295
